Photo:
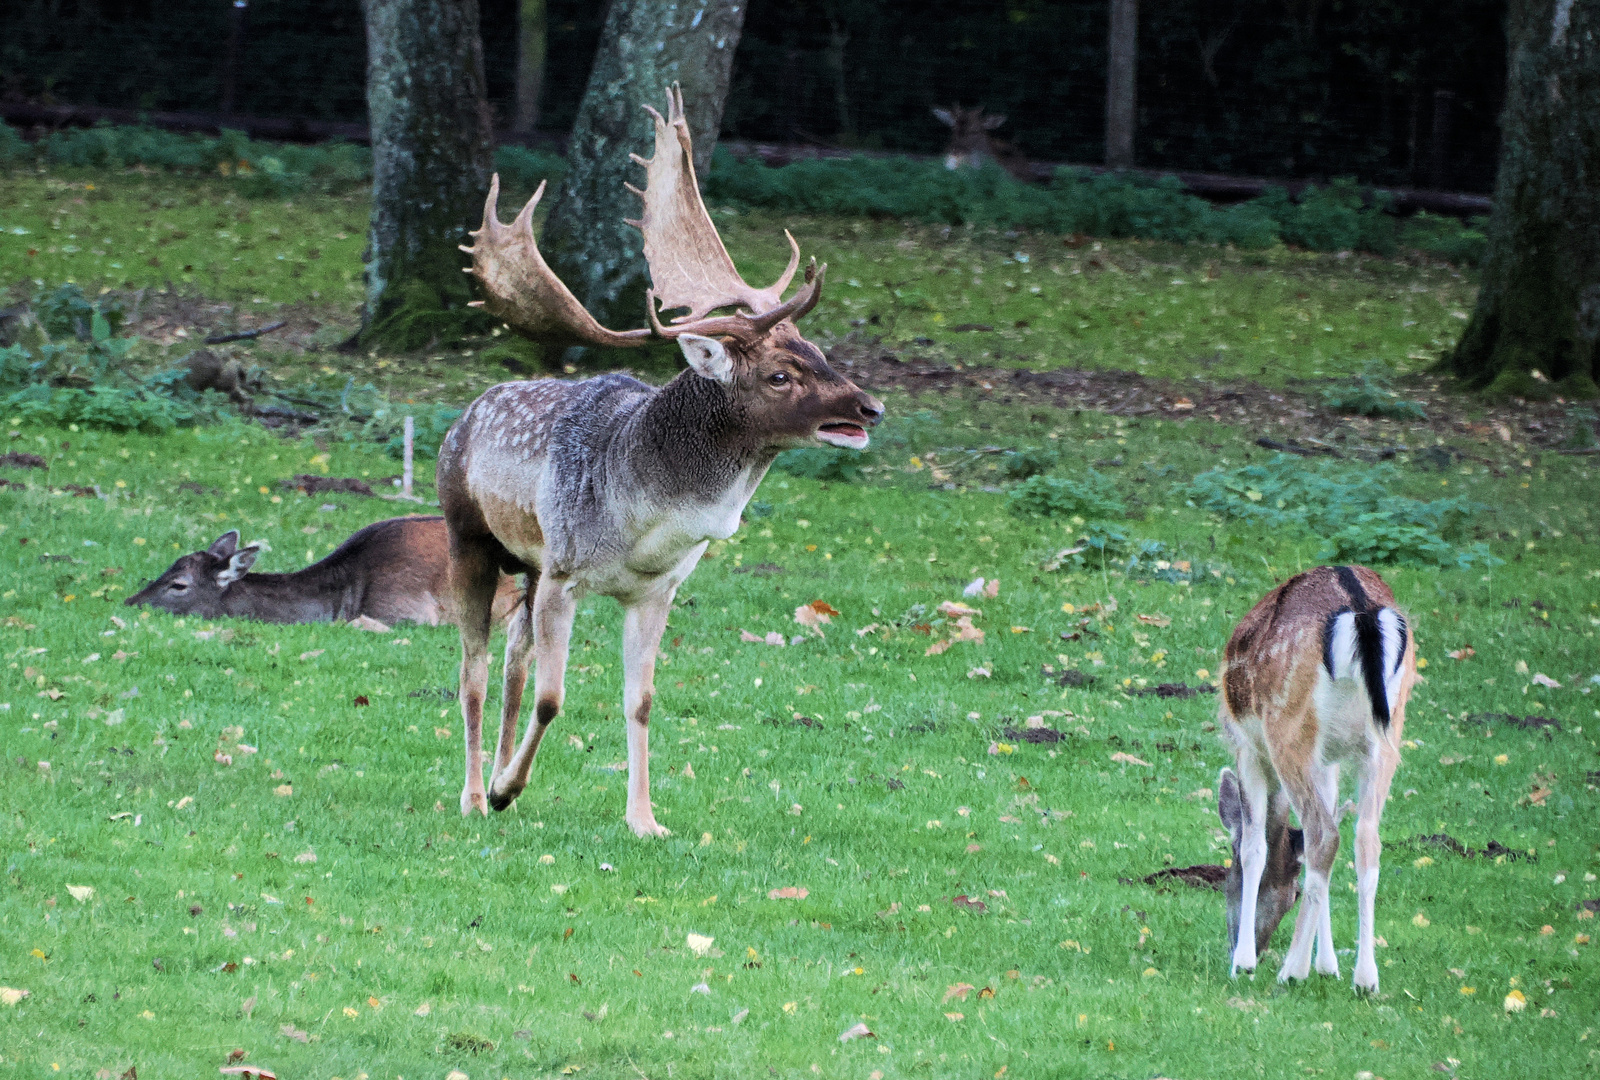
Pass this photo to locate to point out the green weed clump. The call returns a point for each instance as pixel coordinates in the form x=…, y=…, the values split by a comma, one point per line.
x=1355, y=512
x=1089, y=495
x=1369, y=395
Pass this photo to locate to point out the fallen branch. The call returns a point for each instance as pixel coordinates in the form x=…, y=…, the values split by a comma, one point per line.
x=1296, y=448
x=245, y=335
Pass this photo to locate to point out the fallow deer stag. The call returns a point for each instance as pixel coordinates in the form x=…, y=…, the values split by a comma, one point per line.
x=396, y=570
x=611, y=486
x=973, y=145
x=1316, y=676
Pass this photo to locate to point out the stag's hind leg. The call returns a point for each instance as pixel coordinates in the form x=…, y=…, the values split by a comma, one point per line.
x=474, y=577
x=551, y=607
x=519, y=647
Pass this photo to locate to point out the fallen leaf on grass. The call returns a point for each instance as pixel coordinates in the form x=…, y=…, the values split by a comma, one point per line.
x=959, y=991
x=422, y=1010
x=1516, y=1002
x=789, y=892
x=283, y=790
x=857, y=1031
x=815, y=613
x=968, y=903
x=10, y=995
x=291, y=1032
x=1539, y=795
x=1156, y=620
x=250, y=1072
x=1544, y=680
x=954, y=1018
x=312, y=654
x=699, y=944
x=368, y=623
x=1466, y=652
x=955, y=609
x=1128, y=759
x=81, y=893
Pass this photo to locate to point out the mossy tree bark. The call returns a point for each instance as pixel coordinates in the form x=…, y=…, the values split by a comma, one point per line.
x=531, y=46
x=1539, y=307
x=646, y=46
x=432, y=148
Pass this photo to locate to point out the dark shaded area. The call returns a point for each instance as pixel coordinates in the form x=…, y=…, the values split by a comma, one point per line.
x=1201, y=876
x=14, y=459
x=1527, y=723
x=1172, y=690
x=1034, y=735
x=1492, y=850
x=315, y=485
x=1239, y=86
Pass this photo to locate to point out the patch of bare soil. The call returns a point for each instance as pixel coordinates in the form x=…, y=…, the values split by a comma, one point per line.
x=1292, y=420
x=1203, y=876
x=173, y=318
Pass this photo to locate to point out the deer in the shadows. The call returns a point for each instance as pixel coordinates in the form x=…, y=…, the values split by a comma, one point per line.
x=612, y=486
x=973, y=144
x=1316, y=677
x=391, y=571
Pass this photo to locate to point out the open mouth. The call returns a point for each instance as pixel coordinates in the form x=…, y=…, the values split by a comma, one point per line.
x=846, y=435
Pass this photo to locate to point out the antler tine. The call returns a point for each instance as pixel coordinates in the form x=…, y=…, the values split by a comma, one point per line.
x=519, y=286
x=742, y=326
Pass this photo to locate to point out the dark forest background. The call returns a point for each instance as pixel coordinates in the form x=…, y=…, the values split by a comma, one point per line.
x=1397, y=92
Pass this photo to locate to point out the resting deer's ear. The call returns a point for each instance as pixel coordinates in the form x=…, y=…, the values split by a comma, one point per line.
x=992, y=122
x=707, y=356
x=239, y=563
x=225, y=545
x=945, y=117
x=1230, y=805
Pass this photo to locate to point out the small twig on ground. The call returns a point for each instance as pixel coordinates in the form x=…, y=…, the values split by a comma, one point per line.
x=245, y=335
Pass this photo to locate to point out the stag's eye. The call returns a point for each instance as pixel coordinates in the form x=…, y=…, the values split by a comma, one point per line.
x=779, y=378
x=178, y=586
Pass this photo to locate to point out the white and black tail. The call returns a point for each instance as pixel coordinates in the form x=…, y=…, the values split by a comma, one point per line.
x=1366, y=642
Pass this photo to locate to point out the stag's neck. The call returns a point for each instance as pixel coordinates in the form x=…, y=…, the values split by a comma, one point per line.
x=693, y=441
x=314, y=594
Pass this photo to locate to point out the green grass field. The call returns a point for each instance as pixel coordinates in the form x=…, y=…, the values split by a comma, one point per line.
x=948, y=847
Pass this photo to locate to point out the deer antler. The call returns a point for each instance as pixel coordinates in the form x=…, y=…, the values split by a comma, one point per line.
x=689, y=266
x=520, y=286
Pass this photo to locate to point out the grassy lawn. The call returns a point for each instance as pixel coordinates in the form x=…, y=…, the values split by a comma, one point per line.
x=970, y=296
x=320, y=904
x=227, y=836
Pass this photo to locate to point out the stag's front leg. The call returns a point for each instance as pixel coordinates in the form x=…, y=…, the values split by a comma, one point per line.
x=1254, y=797
x=642, y=626
x=553, y=606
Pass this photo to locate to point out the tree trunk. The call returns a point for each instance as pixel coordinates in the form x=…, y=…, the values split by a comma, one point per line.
x=1122, y=73
x=1534, y=328
x=530, y=65
x=432, y=145
x=646, y=46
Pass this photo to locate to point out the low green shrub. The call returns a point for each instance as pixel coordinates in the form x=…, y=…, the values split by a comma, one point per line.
x=1352, y=510
x=1088, y=494
x=1462, y=243
x=823, y=463
x=13, y=149
x=1369, y=395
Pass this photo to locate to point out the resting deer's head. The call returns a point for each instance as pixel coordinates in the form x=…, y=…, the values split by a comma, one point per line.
x=1280, y=881
x=781, y=383
x=970, y=144
x=195, y=583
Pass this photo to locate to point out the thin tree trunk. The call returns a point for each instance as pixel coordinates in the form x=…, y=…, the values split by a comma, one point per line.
x=1537, y=319
x=531, y=16
x=1122, y=73
x=646, y=46
x=432, y=145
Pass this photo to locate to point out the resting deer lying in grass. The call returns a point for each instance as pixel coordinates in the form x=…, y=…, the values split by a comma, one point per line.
x=973, y=145
x=611, y=486
x=392, y=571
x=1316, y=676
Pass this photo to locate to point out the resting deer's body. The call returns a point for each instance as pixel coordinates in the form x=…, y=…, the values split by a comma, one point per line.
x=392, y=571
x=611, y=486
x=1317, y=675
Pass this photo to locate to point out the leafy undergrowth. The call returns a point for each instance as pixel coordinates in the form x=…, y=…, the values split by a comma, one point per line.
x=970, y=295
x=867, y=829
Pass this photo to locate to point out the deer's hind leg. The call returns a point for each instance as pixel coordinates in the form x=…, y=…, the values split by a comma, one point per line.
x=550, y=609
x=1255, y=792
x=1309, y=790
x=1375, y=780
x=474, y=577
x=519, y=648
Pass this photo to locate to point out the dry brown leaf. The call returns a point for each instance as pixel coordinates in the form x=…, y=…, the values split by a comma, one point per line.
x=789, y=892
x=1128, y=759
x=1466, y=652
x=857, y=1031
x=1539, y=795
x=937, y=647
x=959, y=991
x=815, y=613
x=1155, y=620
x=955, y=609
x=749, y=638
x=291, y=1032
x=992, y=589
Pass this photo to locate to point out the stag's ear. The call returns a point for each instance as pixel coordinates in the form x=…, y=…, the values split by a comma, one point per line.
x=1230, y=803
x=992, y=122
x=225, y=545
x=945, y=117
x=239, y=563
x=707, y=356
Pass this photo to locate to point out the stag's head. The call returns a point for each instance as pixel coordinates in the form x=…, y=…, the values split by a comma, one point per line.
x=1280, y=881
x=969, y=135
x=781, y=382
x=195, y=583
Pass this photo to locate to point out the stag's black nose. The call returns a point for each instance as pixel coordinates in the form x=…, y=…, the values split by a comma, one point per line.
x=870, y=408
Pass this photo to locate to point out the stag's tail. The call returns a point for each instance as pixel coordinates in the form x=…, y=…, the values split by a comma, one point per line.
x=1369, y=644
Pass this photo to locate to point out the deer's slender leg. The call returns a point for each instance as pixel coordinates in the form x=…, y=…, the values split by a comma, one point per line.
x=519, y=647
x=1327, y=962
x=1375, y=781
x=1255, y=796
x=474, y=576
x=553, y=606
x=642, y=626
x=1306, y=786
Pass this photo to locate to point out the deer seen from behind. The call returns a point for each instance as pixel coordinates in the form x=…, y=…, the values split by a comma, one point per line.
x=973, y=145
x=612, y=486
x=391, y=571
x=1316, y=677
